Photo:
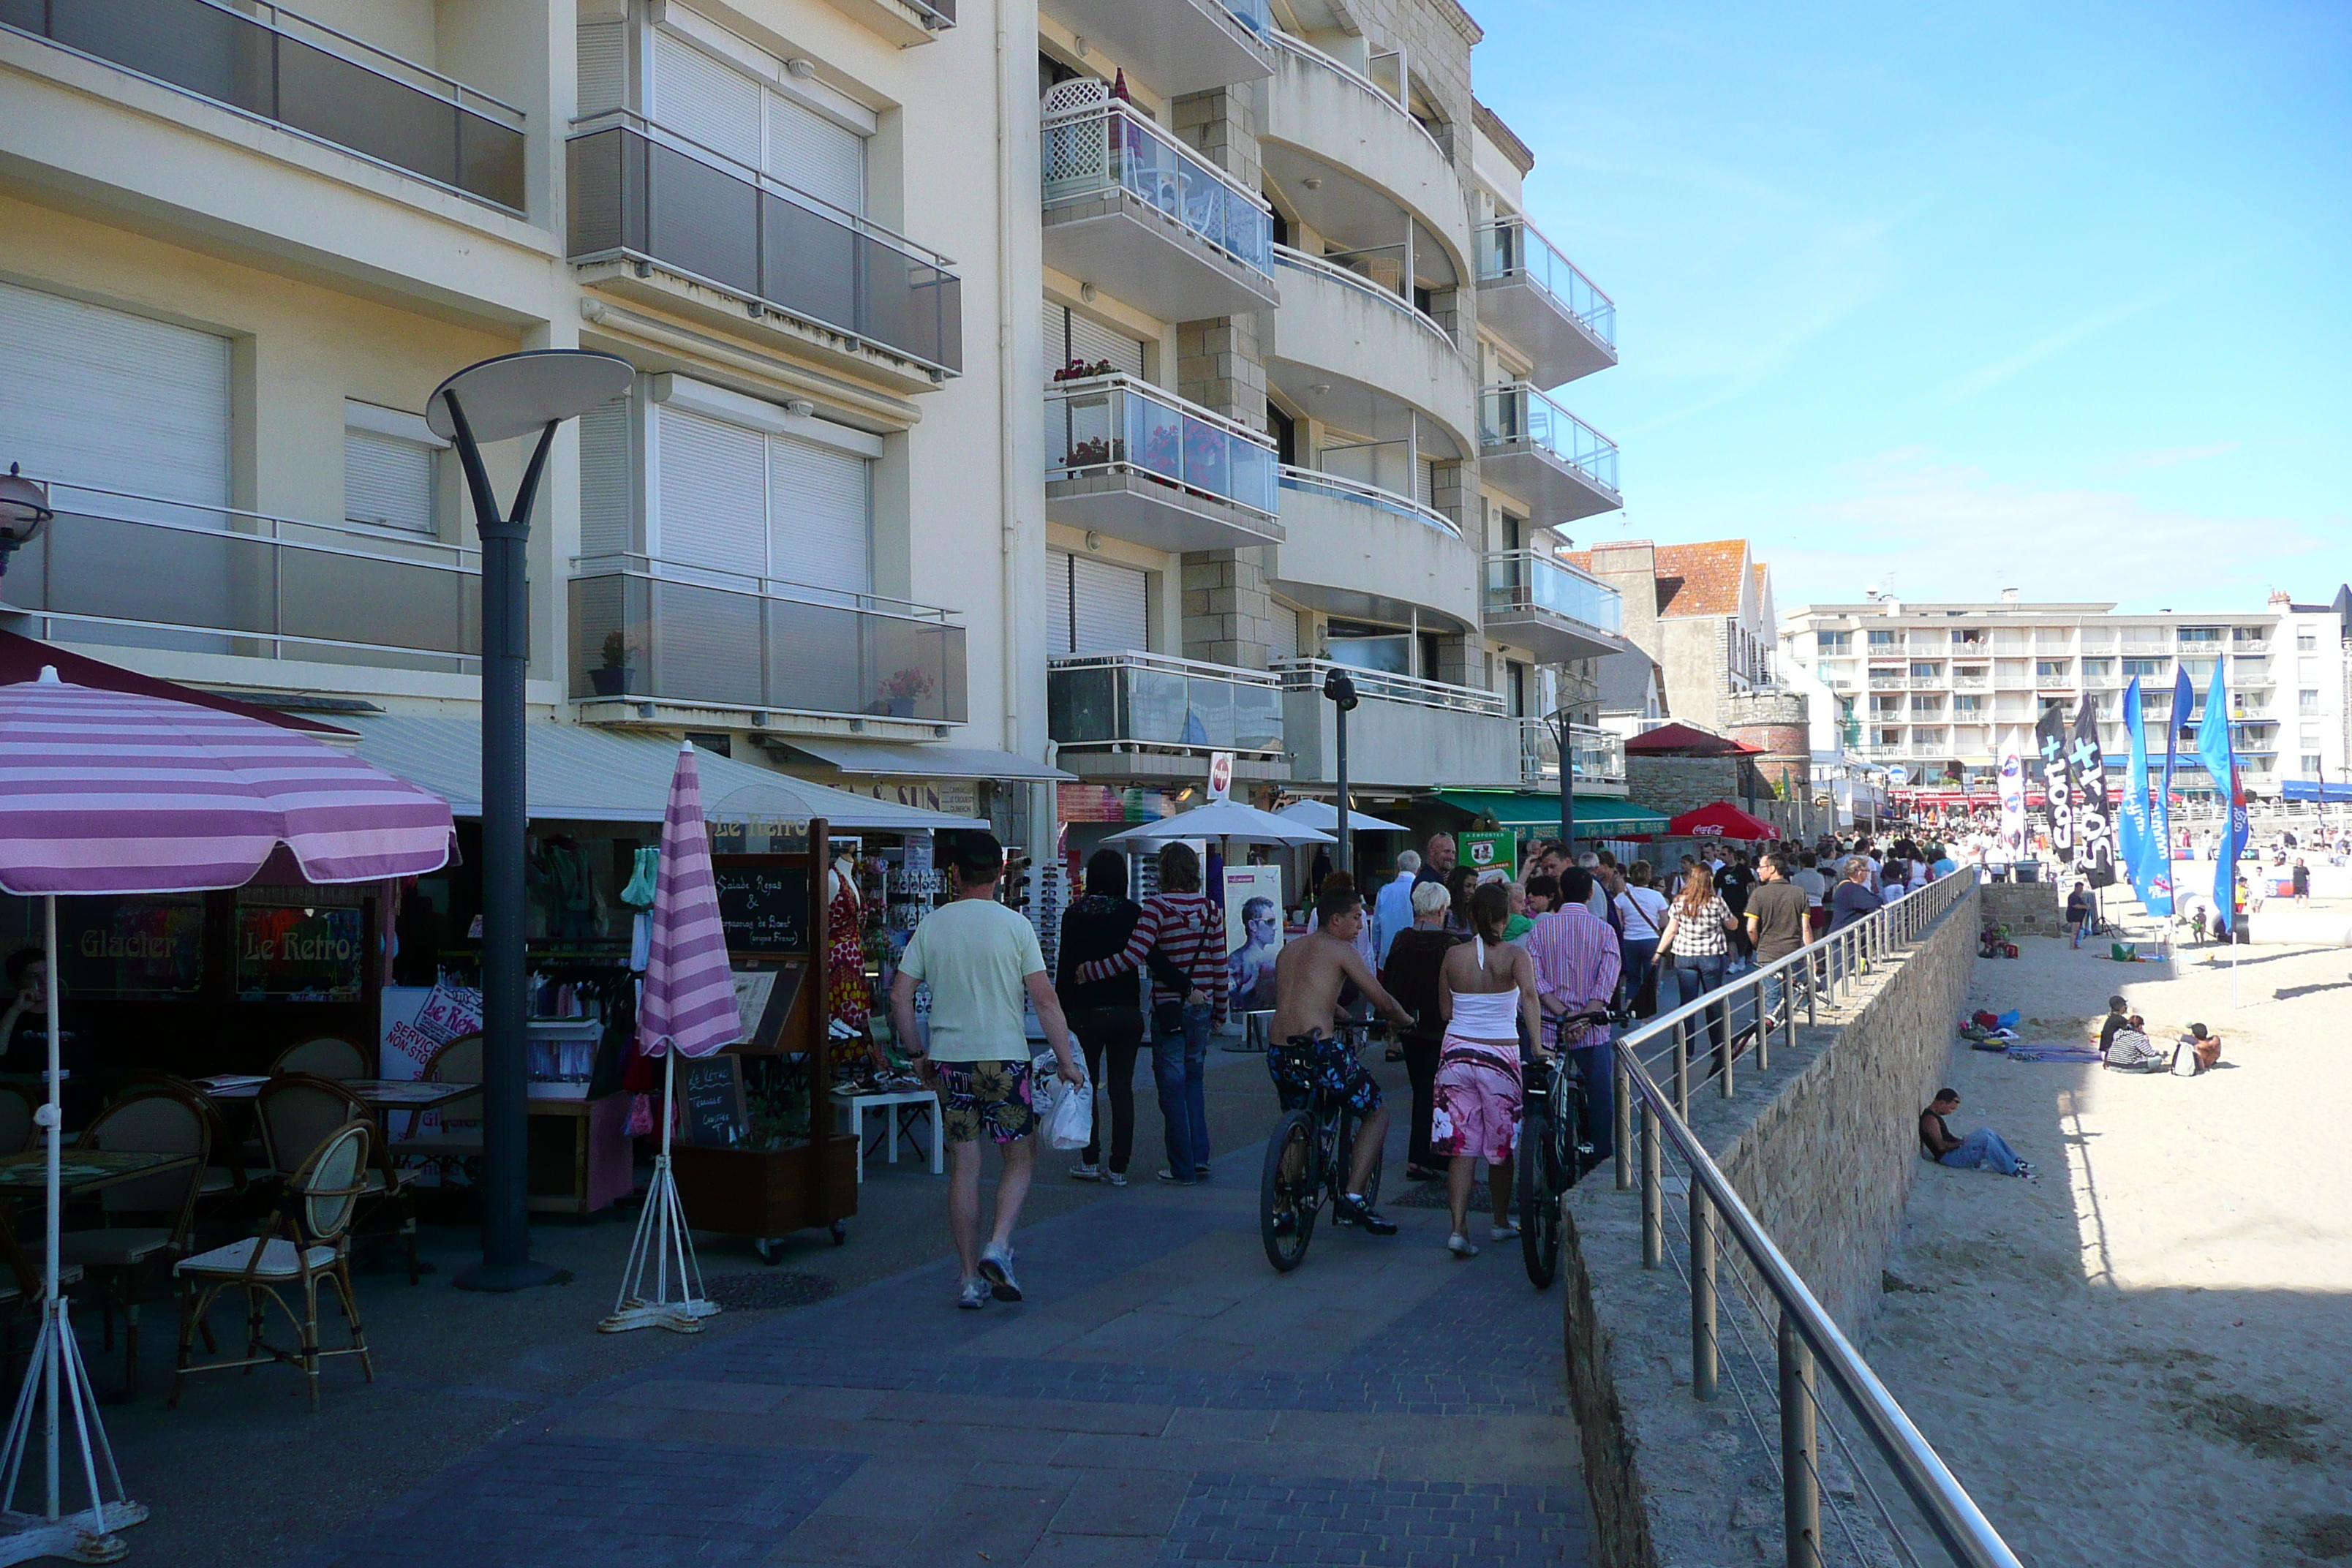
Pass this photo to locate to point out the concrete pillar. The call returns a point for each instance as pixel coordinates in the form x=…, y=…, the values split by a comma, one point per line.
x=1227, y=614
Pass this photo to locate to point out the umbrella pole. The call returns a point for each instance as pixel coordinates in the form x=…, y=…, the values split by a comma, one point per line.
x=662, y=1236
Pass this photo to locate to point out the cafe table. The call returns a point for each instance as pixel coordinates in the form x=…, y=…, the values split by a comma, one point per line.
x=382, y=1093
x=82, y=1170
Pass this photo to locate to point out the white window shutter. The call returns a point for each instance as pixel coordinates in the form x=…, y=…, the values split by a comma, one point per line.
x=1111, y=605
x=603, y=71
x=812, y=153
x=387, y=481
x=705, y=101
x=1057, y=604
x=605, y=470
x=711, y=508
x=1091, y=341
x=820, y=515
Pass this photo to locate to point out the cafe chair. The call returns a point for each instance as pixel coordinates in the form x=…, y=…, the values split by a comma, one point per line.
x=336, y=1057
x=15, y=1118
x=307, y=1243
x=299, y=1112
x=20, y=1292
x=221, y=1184
x=460, y=1061
x=147, y=1222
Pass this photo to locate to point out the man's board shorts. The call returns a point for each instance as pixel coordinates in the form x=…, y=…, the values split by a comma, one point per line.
x=990, y=1097
x=1475, y=1106
x=1315, y=1070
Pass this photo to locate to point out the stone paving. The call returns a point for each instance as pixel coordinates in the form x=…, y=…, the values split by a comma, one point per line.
x=1162, y=1396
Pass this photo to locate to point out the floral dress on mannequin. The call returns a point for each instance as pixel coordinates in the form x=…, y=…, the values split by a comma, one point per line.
x=849, y=1002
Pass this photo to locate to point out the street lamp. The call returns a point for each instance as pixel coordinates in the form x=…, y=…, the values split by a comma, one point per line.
x=497, y=400
x=1559, y=720
x=24, y=513
x=1340, y=692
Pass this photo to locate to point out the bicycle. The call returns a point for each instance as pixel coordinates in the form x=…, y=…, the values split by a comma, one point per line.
x=1554, y=1143
x=1309, y=1156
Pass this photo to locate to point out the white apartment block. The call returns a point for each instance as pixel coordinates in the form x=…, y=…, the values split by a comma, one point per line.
x=1081, y=395
x=1927, y=685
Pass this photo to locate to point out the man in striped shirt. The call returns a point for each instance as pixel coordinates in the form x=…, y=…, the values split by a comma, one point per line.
x=1577, y=963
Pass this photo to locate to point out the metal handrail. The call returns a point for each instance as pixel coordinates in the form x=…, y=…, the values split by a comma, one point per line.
x=1120, y=109
x=1600, y=323
x=1306, y=675
x=278, y=524
x=1283, y=255
x=1307, y=51
x=757, y=585
x=1168, y=663
x=1807, y=1332
x=1342, y=487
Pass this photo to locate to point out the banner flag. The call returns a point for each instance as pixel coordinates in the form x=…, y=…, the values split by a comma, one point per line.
x=2012, y=807
x=2184, y=697
x=2221, y=761
x=2147, y=852
x=2057, y=790
x=2094, y=824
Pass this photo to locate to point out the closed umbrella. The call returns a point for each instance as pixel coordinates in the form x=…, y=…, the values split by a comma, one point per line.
x=1322, y=815
x=114, y=792
x=687, y=1009
x=1226, y=819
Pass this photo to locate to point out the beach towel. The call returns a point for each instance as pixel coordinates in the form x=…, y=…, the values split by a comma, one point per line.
x=2054, y=1054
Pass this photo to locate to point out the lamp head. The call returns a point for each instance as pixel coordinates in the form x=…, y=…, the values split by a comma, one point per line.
x=24, y=513
x=1338, y=688
x=522, y=394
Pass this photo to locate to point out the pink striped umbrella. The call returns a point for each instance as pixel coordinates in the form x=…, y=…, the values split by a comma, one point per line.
x=690, y=996
x=114, y=791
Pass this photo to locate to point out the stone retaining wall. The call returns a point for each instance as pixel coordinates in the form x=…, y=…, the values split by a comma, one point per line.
x=1823, y=1148
x=2027, y=908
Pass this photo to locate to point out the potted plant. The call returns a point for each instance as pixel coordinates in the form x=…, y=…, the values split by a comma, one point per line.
x=903, y=690
x=616, y=676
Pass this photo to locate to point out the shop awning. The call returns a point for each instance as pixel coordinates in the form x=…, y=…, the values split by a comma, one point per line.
x=1596, y=814
x=574, y=773
x=890, y=759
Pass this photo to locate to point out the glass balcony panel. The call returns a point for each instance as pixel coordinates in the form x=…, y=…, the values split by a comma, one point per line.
x=1515, y=245
x=1084, y=423
x=1155, y=436
x=1257, y=718
x=1256, y=474
x=1110, y=420
x=703, y=220
x=809, y=263
x=1157, y=704
x=1206, y=463
x=1154, y=700
x=1082, y=705
x=1524, y=579
x=1099, y=147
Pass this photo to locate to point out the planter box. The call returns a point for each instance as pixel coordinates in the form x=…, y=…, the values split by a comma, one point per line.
x=765, y=1192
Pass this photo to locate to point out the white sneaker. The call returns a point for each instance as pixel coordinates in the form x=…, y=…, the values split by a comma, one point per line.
x=1083, y=1172
x=1461, y=1246
x=996, y=1272
x=1116, y=1178
x=1503, y=1233
x=975, y=1294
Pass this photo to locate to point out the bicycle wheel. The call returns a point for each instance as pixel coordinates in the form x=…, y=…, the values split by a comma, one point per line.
x=1538, y=1196
x=1290, y=1188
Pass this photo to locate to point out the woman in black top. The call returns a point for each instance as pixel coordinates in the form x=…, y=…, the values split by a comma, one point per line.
x=1410, y=975
x=1107, y=1016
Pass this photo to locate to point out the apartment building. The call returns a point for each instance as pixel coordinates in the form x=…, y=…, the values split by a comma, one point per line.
x=1927, y=686
x=993, y=403
x=2313, y=645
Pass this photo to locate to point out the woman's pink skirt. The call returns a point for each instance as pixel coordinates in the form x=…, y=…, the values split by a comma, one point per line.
x=1476, y=1109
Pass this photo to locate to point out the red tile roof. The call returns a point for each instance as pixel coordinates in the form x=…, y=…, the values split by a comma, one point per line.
x=1701, y=579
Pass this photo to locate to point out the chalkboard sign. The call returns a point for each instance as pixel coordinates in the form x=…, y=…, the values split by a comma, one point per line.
x=764, y=1000
x=710, y=1098
x=763, y=902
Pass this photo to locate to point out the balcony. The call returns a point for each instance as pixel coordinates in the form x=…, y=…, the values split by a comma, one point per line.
x=1971, y=683
x=1358, y=550
x=1550, y=608
x=132, y=570
x=905, y=23
x=1138, y=715
x=2251, y=647
x=1536, y=298
x=1559, y=465
x=736, y=243
x=1347, y=348
x=1406, y=734
x=1598, y=754
x=1142, y=465
x=1888, y=682
x=280, y=67
x=1129, y=207
x=1178, y=45
x=1319, y=119
x=648, y=634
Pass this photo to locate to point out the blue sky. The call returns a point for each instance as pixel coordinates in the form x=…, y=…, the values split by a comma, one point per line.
x=1956, y=299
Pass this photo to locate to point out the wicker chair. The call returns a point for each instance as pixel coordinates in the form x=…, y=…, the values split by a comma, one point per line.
x=147, y=1222
x=336, y=1057
x=298, y=1112
x=308, y=1241
x=460, y=1061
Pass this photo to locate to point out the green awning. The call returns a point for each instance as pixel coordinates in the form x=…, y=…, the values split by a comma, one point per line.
x=1596, y=814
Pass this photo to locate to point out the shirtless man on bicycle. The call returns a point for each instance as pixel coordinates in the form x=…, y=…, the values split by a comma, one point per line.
x=1307, y=979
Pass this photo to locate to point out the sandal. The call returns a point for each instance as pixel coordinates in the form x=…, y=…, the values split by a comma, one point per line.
x=1423, y=1173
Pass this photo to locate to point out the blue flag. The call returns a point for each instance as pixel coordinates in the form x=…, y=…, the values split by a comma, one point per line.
x=2214, y=748
x=2140, y=855
x=2184, y=697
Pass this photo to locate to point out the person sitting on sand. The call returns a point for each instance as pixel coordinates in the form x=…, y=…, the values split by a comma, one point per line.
x=2129, y=1049
x=2116, y=1018
x=2206, y=1049
x=1981, y=1148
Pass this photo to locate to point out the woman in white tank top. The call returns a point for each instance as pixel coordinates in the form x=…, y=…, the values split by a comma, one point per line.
x=1487, y=990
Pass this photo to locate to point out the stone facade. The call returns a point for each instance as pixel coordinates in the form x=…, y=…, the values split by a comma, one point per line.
x=1777, y=722
x=1677, y=784
x=2027, y=908
x=1823, y=1148
x=1228, y=615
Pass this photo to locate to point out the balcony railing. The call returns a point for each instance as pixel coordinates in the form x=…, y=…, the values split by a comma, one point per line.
x=1598, y=754
x=643, y=193
x=1138, y=702
x=220, y=580
x=1970, y=683
x=1110, y=423
x=1306, y=675
x=1315, y=481
x=1520, y=413
x=1513, y=248
x=1527, y=580
x=1362, y=279
x=1098, y=148
x=652, y=631
x=280, y=65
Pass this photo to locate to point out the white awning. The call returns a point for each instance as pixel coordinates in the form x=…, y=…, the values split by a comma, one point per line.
x=887, y=759
x=574, y=773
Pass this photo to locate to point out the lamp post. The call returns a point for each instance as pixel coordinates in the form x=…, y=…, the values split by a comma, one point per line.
x=1560, y=727
x=1340, y=692
x=497, y=400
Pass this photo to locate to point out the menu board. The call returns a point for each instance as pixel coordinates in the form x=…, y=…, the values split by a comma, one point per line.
x=712, y=1113
x=763, y=902
x=132, y=949
x=297, y=954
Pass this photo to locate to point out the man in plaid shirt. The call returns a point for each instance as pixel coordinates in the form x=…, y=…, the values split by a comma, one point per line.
x=1577, y=963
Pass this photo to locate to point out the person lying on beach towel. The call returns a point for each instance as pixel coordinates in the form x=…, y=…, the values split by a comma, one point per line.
x=1979, y=1150
x=2130, y=1050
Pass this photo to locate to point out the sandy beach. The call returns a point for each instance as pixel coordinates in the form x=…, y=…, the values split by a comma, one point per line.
x=2146, y=1356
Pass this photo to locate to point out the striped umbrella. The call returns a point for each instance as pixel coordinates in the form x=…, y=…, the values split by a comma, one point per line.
x=119, y=792
x=687, y=1009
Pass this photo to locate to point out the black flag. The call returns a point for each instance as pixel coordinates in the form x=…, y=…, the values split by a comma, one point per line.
x=2094, y=823
x=2050, y=740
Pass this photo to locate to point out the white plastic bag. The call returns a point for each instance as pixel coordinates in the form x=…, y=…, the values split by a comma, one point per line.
x=1066, y=1110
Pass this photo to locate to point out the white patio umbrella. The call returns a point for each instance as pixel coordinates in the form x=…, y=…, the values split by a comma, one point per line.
x=1323, y=815
x=688, y=1010
x=113, y=793
x=1227, y=819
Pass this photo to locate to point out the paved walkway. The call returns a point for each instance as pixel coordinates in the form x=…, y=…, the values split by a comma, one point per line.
x=1162, y=1396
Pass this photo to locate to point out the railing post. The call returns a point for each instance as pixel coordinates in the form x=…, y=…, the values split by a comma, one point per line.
x=1801, y=1497
x=1702, y=1276
x=1764, y=1036
x=1731, y=1042
x=1682, y=1068
x=1654, y=1218
x=1621, y=1139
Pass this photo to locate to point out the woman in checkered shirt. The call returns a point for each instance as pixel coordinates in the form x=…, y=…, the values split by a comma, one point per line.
x=1699, y=936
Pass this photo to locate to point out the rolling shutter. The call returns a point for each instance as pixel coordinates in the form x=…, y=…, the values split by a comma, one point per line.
x=812, y=153
x=710, y=502
x=604, y=70
x=1069, y=335
x=705, y=101
x=819, y=511
x=1110, y=606
x=387, y=482
x=605, y=499
x=104, y=399
x=1425, y=481
x=1282, y=638
x=1057, y=604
